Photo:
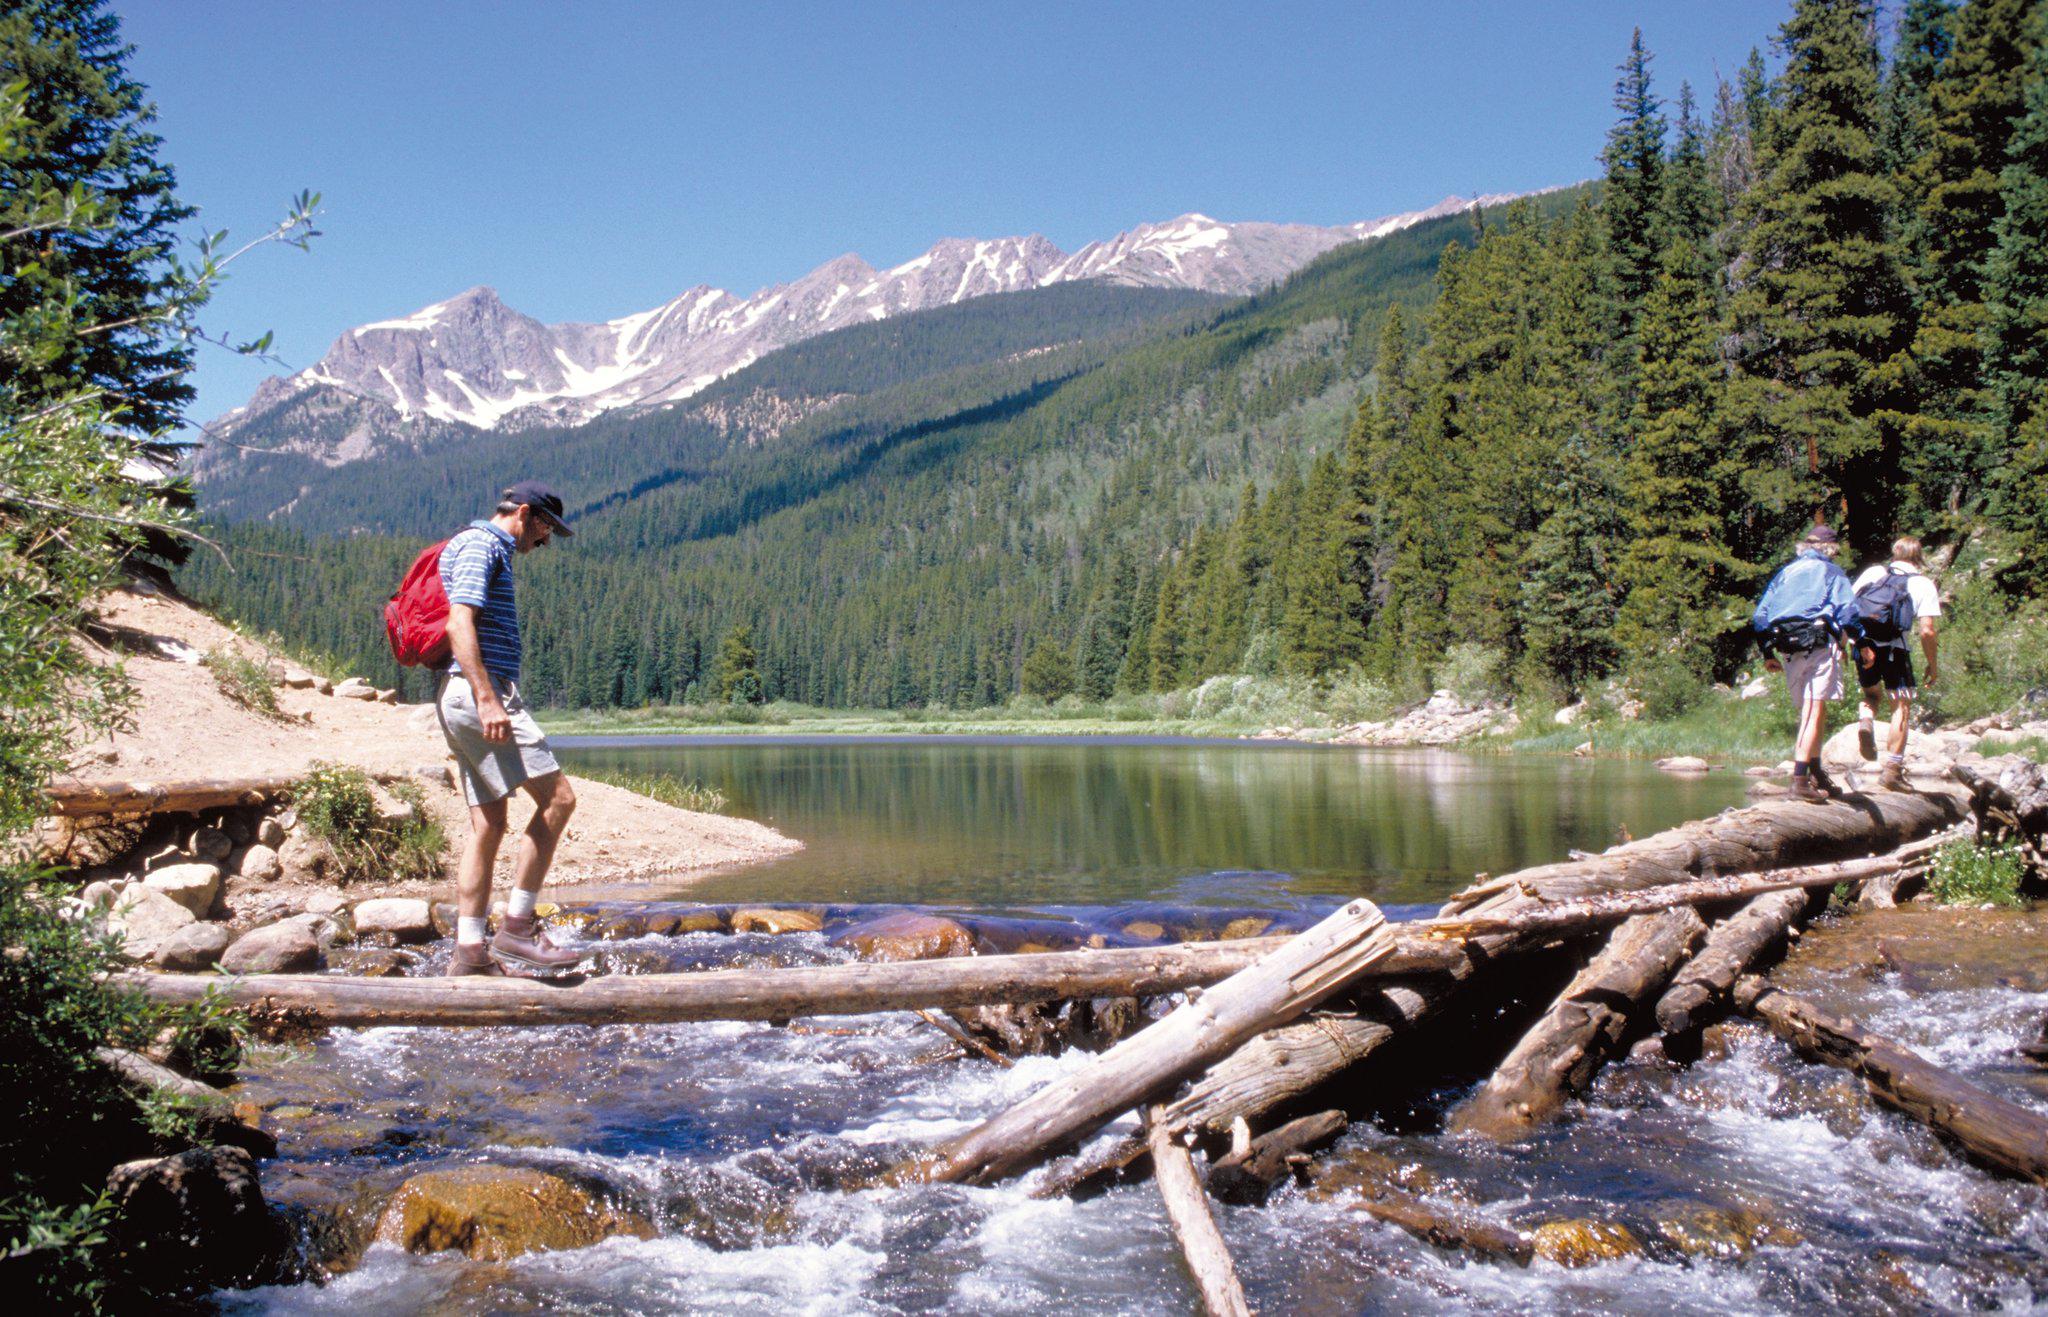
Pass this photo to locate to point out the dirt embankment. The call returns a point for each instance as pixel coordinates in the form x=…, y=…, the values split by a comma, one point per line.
x=185, y=726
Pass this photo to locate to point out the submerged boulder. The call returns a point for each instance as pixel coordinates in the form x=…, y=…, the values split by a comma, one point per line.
x=1581, y=1242
x=906, y=935
x=195, y=1221
x=497, y=1212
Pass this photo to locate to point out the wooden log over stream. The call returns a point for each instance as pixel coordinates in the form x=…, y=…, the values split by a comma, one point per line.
x=1774, y=835
x=1211, y=1025
x=2000, y=1134
x=1559, y=1055
x=764, y=994
x=1732, y=946
x=71, y=797
x=1187, y=1211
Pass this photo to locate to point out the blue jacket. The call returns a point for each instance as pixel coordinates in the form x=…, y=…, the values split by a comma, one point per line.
x=1810, y=586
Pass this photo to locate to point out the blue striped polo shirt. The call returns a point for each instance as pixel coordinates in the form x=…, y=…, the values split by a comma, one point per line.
x=476, y=569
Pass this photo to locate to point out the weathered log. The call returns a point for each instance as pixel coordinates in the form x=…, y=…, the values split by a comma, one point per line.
x=1773, y=835
x=1584, y=914
x=1994, y=1132
x=965, y=1039
x=1248, y=1174
x=2009, y=796
x=1732, y=946
x=752, y=994
x=1449, y=1227
x=1210, y=1025
x=1187, y=1211
x=1560, y=1054
x=71, y=797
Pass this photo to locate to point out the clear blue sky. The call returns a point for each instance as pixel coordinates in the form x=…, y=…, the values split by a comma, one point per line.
x=591, y=159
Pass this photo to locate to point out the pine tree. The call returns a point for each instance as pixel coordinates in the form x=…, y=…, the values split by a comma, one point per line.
x=87, y=125
x=1567, y=600
x=2016, y=330
x=1823, y=317
x=1974, y=103
x=1690, y=209
x=737, y=677
x=1048, y=672
x=1168, y=639
x=1633, y=200
x=1674, y=572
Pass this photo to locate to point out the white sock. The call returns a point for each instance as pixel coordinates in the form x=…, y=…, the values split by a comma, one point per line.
x=470, y=930
x=1891, y=758
x=520, y=905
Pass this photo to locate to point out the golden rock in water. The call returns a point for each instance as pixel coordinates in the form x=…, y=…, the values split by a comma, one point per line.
x=758, y=919
x=1581, y=1243
x=497, y=1212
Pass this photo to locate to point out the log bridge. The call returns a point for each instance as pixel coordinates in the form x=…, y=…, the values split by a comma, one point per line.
x=1668, y=933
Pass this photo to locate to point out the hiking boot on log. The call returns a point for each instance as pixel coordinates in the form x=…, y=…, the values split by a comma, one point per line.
x=471, y=959
x=1892, y=777
x=1807, y=788
x=521, y=942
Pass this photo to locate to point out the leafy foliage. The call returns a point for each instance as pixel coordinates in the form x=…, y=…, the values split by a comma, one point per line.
x=1965, y=873
x=339, y=805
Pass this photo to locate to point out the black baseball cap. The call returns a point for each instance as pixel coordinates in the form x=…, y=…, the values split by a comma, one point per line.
x=1822, y=535
x=542, y=500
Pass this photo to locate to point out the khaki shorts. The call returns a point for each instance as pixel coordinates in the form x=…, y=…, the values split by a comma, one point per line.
x=491, y=771
x=1814, y=674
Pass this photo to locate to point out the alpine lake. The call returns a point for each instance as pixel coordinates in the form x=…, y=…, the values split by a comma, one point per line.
x=1746, y=1182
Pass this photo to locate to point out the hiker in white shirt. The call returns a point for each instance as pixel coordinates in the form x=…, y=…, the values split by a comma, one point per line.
x=1884, y=664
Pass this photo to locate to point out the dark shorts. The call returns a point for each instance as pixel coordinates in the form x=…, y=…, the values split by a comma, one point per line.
x=1892, y=669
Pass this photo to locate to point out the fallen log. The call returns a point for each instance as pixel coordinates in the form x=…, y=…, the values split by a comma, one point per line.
x=1994, y=1132
x=1560, y=1054
x=753, y=994
x=1249, y=1173
x=1212, y=1024
x=1732, y=946
x=1773, y=835
x=1449, y=1226
x=71, y=797
x=1187, y=1211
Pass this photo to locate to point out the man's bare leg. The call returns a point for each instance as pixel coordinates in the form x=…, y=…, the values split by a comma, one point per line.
x=1902, y=717
x=520, y=940
x=1813, y=726
x=473, y=888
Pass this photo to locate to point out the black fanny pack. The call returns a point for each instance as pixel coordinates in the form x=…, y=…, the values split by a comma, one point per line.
x=1797, y=635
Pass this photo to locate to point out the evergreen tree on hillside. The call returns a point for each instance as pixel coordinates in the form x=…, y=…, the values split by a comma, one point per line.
x=737, y=677
x=2016, y=330
x=1634, y=196
x=1821, y=314
x=1048, y=672
x=1974, y=103
x=1922, y=46
x=1690, y=209
x=1320, y=631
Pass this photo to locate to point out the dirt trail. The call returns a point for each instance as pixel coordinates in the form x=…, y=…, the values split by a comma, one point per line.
x=184, y=726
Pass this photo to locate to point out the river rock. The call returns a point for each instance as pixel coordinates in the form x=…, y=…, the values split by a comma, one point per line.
x=325, y=903
x=495, y=1212
x=146, y=918
x=758, y=919
x=1684, y=764
x=258, y=862
x=355, y=688
x=195, y=1221
x=306, y=859
x=193, y=948
x=372, y=962
x=238, y=829
x=298, y=679
x=288, y=947
x=269, y=832
x=98, y=895
x=191, y=885
x=906, y=935
x=211, y=844
x=1697, y=1230
x=1581, y=1243
x=409, y=919
x=1569, y=714
x=1755, y=688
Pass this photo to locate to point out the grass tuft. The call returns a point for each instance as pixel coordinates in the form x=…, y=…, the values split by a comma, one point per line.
x=693, y=796
x=340, y=807
x=243, y=680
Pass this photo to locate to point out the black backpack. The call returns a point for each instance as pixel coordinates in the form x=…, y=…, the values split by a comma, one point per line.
x=1886, y=608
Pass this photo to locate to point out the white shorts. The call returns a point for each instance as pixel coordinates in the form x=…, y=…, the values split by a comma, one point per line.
x=1814, y=674
x=491, y=770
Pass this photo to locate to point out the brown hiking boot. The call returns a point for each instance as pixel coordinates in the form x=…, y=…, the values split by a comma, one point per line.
x=1866, y=740
x=471, y=958
x=1805, y=788
x=521, y=942
x=1892, y=777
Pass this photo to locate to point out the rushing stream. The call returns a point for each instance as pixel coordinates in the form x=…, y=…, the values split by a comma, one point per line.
x=1749, y=1181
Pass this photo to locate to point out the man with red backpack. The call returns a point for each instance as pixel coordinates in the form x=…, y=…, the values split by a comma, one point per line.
x=497, y=745
x=1895, y=600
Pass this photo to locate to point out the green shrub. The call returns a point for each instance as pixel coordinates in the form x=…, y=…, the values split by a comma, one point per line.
x=243, y=680
x=669, y=791
x=51, y=1252
x=339, y=806
x=1472, y=672
x=1669, y=683
x=1965, y=873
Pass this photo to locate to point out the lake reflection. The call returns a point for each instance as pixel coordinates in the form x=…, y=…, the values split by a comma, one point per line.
x=1038, y=821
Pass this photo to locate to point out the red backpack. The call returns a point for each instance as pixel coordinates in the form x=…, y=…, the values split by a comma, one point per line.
x=416, y=619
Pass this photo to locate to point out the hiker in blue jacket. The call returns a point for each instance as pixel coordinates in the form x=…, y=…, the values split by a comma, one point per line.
x=1807, y=610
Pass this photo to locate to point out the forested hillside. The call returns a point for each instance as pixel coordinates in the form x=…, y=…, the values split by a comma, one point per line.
x=904, y=546
x=1823, y=294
